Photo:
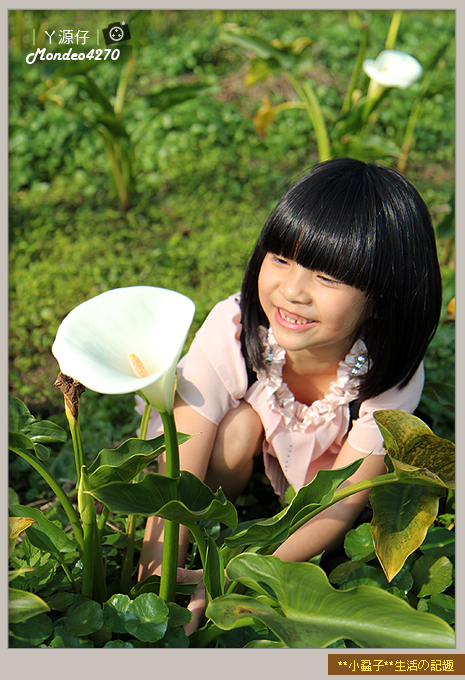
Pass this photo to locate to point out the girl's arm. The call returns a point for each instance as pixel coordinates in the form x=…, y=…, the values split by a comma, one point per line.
x=327, y=530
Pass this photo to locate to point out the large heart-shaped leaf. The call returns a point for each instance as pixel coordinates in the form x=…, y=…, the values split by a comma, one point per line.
x=308, y=500
x=309, y=612
x=424, y=466
x=185, y=500
x=402, y=514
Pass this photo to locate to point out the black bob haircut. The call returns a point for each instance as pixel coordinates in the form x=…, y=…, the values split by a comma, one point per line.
x=367, y=226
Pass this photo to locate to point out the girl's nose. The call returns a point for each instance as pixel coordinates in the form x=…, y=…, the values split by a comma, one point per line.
x=296, y=284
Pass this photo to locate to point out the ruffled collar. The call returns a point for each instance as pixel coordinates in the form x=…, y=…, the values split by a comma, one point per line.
x=299, y=416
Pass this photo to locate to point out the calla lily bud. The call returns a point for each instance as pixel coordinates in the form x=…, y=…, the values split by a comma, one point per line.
x=104, y=342
x=72, y=390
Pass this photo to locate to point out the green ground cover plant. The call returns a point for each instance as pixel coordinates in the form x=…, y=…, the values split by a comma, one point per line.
x=202, y=183
x=78, y=595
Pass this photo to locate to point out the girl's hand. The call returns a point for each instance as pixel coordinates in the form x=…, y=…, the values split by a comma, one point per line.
x=237, y=321
x=197, y=602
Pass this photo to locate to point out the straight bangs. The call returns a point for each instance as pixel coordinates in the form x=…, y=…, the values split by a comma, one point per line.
x=327, y=229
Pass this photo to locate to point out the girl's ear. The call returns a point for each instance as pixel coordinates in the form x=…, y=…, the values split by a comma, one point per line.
x=369, y=310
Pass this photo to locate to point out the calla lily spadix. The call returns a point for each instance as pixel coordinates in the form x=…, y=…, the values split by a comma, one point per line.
x=108, y=341
x=393, y=69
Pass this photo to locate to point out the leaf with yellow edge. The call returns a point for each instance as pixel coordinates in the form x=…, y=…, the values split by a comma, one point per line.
x=259, y=70
x=402, y=514
x=424, y=465
x=451, y=310
x=16, y=525
x=416, y=450
x=23, y=605
x=264, y=117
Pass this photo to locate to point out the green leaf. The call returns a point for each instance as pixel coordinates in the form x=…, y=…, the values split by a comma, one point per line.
x=23, y=605
x=164, y=99
x=261, y=47
x=19, y=441
x=432, y=575
x=214, y=570
x=185, y=500
x=341, y=573
x=131, y=447
x=147, y=617
x=440, y=605
x=41, y=452
x=446, y=229
x=439, y=542
x=366, y=148
x=44, y=534
x=97, y=95
x=84, y=617
x=311, y=613
x=125, y=462
x=112, y=124
x=402, y=514
x=152, y=585
x=358, y=543
x=443, y=393
x=173, y=638
x=62, y=638
x=367, y=575
x=178, y=616
x=30, y=633
x=265, y=644
x=309, y=499
x=259, y=70
x=114, y=613
x=418, y=455
x=60, y=601
x=20, y=420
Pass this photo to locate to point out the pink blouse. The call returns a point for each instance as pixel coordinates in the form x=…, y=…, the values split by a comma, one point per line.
x=299, y=439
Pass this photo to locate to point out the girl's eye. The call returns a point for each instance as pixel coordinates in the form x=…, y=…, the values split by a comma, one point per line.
x=328, y=280
x=278, y=259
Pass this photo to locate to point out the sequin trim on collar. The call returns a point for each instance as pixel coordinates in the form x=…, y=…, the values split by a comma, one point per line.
x=299, y=416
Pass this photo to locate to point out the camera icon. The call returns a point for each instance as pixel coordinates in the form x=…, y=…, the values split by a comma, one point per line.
x=116, y=32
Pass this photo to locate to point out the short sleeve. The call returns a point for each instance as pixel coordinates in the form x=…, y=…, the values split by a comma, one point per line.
x=212, y=376
x=365, y=434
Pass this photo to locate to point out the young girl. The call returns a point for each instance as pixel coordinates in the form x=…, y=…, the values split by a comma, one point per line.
x=339, y=302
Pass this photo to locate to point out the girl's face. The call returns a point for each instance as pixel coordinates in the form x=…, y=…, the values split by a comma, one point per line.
x=308, y=310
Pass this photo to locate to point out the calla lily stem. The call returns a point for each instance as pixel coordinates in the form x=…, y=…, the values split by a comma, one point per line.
x=312, y=105
x=145, y=417
x=60, y=494
x=128, y=563
x=171, y=534
x=77, y=443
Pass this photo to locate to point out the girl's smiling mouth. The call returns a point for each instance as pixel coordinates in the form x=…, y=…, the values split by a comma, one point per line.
x=290, y=320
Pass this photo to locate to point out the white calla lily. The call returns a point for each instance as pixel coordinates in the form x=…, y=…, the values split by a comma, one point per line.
x=95, y=341
x=393, y=69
